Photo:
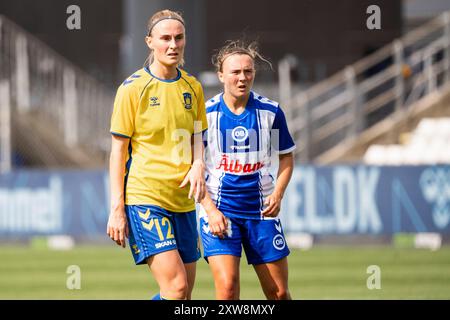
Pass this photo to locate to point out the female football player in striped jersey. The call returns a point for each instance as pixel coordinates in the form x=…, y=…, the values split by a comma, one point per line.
x=158, y=111
x=242, y=204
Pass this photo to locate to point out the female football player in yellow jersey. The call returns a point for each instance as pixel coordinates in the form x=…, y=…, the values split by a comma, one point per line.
x=159, y=112
x=243, y=200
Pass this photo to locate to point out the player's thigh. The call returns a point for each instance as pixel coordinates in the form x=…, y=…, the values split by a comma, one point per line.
x=225, y=269
x=223, y=254
x=273, y=277
x=168, y=270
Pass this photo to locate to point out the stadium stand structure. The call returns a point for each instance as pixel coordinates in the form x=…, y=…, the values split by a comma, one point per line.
x=376, y=99
x=427, y=144
x=58, y=114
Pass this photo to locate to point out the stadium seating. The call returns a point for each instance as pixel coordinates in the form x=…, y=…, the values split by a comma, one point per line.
x=429, y=143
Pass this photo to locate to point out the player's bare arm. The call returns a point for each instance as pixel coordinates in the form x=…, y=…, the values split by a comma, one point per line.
x=285, y=169
x=195, y=176
x=117, y=228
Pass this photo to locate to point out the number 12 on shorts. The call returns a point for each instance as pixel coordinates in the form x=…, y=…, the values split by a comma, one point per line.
x=155, y=222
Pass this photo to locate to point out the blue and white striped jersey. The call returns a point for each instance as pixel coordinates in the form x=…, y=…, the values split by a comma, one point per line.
x=238, y=153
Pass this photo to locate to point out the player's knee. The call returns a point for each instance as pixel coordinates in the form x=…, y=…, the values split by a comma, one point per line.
x=178, y=288
x=181, y=289
x=283, y=295
x=229, y=289
x=277, y=293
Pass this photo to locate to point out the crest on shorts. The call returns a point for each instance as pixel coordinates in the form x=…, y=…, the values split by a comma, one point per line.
x=278, y=242
x=187, y=100
x=136, y=249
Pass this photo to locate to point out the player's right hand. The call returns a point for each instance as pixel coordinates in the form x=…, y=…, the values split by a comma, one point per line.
x=196, y=178
x=218, y=223
x=117, y=228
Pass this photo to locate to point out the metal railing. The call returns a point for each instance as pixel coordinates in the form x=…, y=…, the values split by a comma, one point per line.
x=41, y=82
x=339, y=108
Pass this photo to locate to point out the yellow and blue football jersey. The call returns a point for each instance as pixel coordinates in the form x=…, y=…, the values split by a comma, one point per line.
x=159, y=116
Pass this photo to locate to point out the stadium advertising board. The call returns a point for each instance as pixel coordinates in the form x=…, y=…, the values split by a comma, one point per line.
x=368, y=200
x=319, y=200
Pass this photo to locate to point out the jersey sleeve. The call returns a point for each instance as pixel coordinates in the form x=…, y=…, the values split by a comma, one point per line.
x=281, y=139
x=124, y=112
x=201, y=112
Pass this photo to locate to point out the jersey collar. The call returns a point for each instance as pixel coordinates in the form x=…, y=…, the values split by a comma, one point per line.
x=227, y=111
x=147, y=69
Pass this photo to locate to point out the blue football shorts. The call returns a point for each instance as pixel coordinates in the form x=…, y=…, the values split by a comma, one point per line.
x=153, y=230
x=263, y=240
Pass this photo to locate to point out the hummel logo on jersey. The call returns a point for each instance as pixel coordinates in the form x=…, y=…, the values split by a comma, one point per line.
x=278, y=226
x=187, y=100
x=154, y=101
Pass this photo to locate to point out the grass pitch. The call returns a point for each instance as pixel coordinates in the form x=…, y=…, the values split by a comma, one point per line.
x=108, y=272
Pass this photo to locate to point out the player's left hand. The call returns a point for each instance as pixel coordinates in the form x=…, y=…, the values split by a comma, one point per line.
x=196, y=178
x=273, y=203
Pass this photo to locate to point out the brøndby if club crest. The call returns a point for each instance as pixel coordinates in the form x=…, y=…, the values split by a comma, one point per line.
x=187, y=100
